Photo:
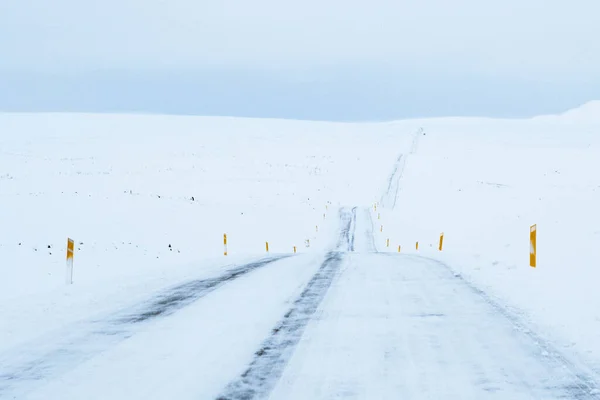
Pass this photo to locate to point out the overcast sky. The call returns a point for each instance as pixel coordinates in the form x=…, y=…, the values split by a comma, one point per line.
x=426, y=57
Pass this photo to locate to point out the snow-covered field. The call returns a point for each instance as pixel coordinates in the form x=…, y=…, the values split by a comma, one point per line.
x=147, y=200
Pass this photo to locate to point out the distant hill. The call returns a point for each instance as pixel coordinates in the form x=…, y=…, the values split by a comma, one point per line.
x=588, y=112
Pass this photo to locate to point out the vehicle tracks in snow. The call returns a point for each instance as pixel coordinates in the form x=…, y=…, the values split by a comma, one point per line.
x=391, y=193
x=347, y=231
x=390, y=196
x=182, y=295
x=578, y=382
x=582, y=385
x=272, y=357
x=52, y=355
x=270, y=360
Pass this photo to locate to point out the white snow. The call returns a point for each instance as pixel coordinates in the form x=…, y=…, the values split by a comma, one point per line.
x=586, y=113
x=98, y=178
x=122, y=185
x=400, y=328
x=483, y=183
x=204, y=349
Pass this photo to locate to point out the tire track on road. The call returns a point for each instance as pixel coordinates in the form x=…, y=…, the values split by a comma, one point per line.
x=271, y=359
x=50, y=356
x=347, y=232
x=182, y=295
x=390, y=196
x=391, y=193
x=583, y=382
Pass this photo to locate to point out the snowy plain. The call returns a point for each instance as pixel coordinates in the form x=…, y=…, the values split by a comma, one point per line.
x=122, y=187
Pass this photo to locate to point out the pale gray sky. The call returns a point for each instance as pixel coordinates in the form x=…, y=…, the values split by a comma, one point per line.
x=534, y=42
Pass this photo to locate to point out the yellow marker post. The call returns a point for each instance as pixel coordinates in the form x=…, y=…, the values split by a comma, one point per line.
x=225, y=244
x=267, y=246
x=398, y=248
x=381, y=228
x=441, y=241
x=70, y=251
x=417, y=246
x=294, y=249
x=533, y=246
x=387, y=243
x=375, y=206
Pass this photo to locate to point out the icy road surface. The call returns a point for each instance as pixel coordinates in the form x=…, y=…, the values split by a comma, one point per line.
x=405, y=327
x=352, y=323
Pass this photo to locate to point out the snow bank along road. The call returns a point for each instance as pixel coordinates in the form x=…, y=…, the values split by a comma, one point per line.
x=356, y=324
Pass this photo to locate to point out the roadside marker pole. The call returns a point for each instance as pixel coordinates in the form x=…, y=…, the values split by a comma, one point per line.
x=267, y=246
x=225, y=244
x=533, y=246
x=417, y=246
x=70, y=250
x=398, y=248
x=387, y=243
x=294, y=249
x=441, y=241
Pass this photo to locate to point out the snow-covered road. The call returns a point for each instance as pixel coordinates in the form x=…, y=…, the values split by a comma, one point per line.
x=352, y=323
x=406, y=327
x=191, y=338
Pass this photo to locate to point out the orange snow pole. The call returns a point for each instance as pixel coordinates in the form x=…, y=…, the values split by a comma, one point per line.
x=398, y=248
x=533, y=246
x=441, y=241
x=225, y=244
x=267, y=246
x=417, y=246
x=70, y=251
